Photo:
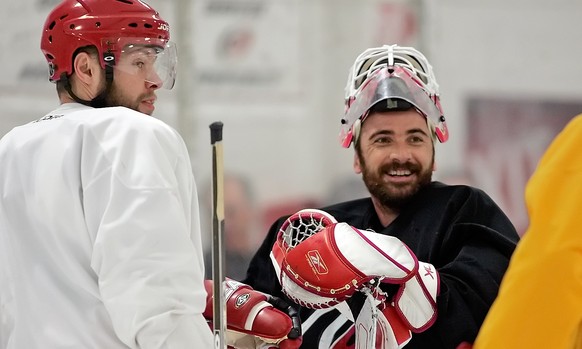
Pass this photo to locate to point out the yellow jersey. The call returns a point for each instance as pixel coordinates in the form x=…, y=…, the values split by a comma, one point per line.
x=540, y=299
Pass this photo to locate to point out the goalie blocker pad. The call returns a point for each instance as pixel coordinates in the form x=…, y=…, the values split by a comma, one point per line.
x=249, y=312
x=332, y=264
x=415, y=301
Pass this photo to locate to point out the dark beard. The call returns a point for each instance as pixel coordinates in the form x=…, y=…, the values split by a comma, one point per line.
x=394, y=196
x=116, y=99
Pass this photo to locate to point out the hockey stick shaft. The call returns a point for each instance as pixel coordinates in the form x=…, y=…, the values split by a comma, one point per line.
x=219, y=308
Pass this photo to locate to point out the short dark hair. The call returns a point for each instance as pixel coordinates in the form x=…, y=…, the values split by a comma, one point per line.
x=391, y=104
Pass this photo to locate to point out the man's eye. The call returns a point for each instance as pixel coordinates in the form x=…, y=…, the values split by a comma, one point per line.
x=382, y=140
x=139, y=64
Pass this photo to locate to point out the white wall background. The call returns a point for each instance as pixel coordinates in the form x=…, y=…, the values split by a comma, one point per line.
x=281, y=95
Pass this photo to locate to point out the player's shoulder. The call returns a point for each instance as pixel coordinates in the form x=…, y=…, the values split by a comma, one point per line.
x=458, y=191
x=448, y=196
x=123, y=116
x=349, y=205
x=355, y=212
x=437, y=187
x=122, y=121
x=115, y=118
x=576, y=122
x=117, y=128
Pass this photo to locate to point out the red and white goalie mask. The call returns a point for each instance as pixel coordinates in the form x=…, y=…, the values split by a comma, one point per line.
x=391, y=74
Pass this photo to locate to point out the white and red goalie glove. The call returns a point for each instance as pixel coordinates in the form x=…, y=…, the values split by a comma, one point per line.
x=320, y=265
x=255, y=320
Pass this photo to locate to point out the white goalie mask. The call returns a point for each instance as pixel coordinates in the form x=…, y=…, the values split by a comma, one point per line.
x=391, y=73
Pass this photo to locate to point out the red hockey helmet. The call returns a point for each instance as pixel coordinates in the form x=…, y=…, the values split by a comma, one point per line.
x=102, y=23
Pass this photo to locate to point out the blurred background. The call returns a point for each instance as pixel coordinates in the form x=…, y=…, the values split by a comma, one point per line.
x=274, y=71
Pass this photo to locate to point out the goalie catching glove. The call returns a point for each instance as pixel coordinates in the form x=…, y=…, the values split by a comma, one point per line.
x=254, y=319
x=321, y=262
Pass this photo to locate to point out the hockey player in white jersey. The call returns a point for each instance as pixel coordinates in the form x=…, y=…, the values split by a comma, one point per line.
x=100, y=241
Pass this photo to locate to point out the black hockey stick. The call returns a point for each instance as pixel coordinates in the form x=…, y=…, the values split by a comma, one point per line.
x=219, y=308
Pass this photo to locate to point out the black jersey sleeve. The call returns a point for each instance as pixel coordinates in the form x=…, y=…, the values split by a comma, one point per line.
x=470, y=245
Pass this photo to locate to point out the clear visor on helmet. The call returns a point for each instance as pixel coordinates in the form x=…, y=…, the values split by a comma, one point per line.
x=153, y=59
x=391, y=83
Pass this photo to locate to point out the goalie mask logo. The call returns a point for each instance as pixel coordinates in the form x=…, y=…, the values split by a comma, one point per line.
x=316, y=262
x=241, y=300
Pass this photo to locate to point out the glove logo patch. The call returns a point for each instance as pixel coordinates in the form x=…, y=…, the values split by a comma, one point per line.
x=316, y=262
x=241, y=300
x=230, y=286
x=429, y=271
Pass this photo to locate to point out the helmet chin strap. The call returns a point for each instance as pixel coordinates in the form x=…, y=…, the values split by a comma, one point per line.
x=100, y=100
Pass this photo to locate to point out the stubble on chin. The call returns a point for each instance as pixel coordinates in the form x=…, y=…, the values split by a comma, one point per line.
x=394, y=196
x=116, y=99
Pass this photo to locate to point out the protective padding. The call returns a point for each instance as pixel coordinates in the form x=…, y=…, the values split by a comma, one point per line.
x=392, y=332
x=249, y=312
x=415, y=301
x=339, y=259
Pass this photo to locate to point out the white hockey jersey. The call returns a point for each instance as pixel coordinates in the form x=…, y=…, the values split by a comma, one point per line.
x=99, y=234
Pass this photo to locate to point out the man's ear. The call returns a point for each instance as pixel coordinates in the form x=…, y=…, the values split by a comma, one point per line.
x=86, y=67
x=357, y=165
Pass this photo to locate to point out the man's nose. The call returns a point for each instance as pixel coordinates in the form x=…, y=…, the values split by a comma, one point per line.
x=400, y=152
x=154, y=81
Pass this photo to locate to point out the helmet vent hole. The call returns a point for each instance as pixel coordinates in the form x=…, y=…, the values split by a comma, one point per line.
x=72, y=26
x=133, y=25
x=52, y=25
x=126, y=2
x=49, y=56
x=147, y=25
x=50, y=39
x=97, y=24
x=63, y=17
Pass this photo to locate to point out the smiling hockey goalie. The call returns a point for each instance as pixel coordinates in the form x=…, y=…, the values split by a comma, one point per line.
x=321, y=262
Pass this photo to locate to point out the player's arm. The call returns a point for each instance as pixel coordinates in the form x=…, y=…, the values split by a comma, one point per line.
x=138, y=206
